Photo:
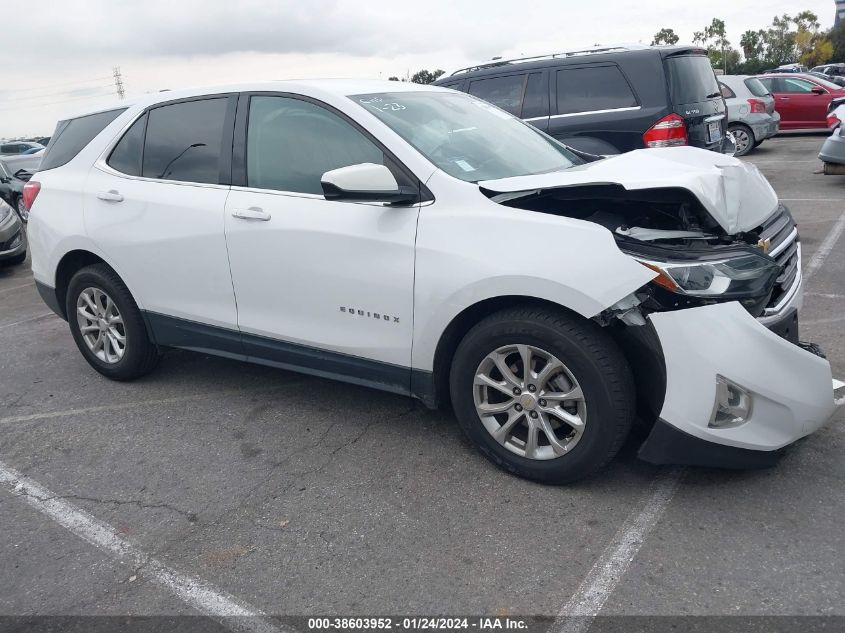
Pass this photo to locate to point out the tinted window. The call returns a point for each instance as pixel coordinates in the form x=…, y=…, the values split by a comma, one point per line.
x=592, y=88
x=789, y=84
x=183, y=141
x=291, y=143
x=536, y=101
x=505, y=92
x=757, y=88
x=9, y=149
x=691, y=79
x=73, y=135
x=768, y=83
x=126, y=155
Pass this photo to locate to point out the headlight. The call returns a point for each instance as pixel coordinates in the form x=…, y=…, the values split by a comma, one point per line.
x=5, y=211
x=739, y=277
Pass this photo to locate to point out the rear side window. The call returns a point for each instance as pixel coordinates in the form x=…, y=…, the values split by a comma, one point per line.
x=183, y=141
x=727, y=93
x=591, y=88
x=691, y=79
x=756, y=87
x=505, y=92
x=291, y=143
x=73, y=135
x=126, y=155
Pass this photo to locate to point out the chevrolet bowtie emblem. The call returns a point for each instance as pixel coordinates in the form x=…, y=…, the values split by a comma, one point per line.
x=764, y=245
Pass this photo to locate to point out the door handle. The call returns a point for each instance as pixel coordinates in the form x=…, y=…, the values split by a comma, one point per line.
x=110, y=196
x=253, y=213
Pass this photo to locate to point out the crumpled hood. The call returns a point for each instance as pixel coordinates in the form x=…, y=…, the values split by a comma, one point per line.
x=734, y=192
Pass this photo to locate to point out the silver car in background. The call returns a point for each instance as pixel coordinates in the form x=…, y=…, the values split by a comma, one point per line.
x=751, y=111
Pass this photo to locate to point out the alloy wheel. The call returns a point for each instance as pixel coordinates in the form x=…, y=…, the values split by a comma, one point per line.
x=101, y=325
x=21, y=209
x=529, y=401
x=743, y=141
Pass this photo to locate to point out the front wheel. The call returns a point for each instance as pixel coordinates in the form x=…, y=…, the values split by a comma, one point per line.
x=543, y=394
x=107, y=325
x=744, y=139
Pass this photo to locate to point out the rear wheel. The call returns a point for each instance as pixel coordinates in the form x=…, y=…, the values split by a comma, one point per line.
x=107, y=325
x=745, y=141
x=544, y=395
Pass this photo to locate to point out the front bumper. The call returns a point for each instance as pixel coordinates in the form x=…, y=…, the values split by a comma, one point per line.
x=833, y=150
x=793, y=392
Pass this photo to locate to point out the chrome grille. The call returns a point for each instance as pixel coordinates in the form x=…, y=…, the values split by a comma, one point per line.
x=785, y=249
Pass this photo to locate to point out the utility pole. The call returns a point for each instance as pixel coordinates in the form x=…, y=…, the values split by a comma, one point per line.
x=118, y=82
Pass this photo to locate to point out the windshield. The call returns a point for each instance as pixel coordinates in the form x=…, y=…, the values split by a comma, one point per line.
x=466, y=137
x=826, y=84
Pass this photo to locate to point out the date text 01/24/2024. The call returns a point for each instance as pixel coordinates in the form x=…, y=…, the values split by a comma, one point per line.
x=417, y=623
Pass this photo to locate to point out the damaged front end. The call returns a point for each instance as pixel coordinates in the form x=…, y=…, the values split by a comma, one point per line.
x=713, y=338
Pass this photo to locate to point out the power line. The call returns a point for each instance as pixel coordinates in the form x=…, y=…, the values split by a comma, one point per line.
x=39, y=105
x=118, y=83
x=69, y=83
x=51, y=94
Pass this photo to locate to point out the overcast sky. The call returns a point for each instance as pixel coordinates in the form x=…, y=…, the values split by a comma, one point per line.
x=63, y=61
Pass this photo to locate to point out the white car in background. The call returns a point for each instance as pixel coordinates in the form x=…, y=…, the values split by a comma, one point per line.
x=421, y=241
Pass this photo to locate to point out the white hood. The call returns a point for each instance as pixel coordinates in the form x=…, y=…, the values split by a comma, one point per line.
x=734, y=192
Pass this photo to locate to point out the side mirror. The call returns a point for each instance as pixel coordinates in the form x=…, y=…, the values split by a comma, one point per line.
x=365, y=182
x=818, y=91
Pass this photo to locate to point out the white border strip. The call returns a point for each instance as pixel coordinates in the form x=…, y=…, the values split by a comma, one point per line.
x=192, y=591
x=825, y=248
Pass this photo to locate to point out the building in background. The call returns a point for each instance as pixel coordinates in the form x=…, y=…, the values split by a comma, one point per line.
x=840, y=12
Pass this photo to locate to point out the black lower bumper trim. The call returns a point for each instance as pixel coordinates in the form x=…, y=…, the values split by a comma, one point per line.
x=667, y=444
x=48, y=294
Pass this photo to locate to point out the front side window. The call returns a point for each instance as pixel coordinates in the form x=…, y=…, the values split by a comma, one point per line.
x=796, y=85
x=291, y=143
x=591, y=88
x=183, y=141
x=466, y=137
x=505, y=92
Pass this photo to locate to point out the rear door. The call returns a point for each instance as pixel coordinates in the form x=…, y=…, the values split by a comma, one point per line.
x=592, y=109
x=525, y=95
x=696, y=97
x=155, y=206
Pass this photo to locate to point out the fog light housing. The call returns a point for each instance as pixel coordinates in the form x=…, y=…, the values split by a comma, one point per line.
x=732, y=407
x=16, y=241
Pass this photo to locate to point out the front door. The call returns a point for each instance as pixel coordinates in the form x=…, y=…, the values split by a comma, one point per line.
x=325, y=287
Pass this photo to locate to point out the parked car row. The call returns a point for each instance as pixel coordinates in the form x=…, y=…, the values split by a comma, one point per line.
x=12, y=148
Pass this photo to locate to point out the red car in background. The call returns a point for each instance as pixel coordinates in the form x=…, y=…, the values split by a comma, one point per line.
x=801, y=100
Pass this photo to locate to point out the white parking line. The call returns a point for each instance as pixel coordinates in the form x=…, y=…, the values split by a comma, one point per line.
x=812, y=200
x=577, y=615
x=196, y=593
x=127, y=405
x=825, y=248
x=35, y=318
x=2, y=290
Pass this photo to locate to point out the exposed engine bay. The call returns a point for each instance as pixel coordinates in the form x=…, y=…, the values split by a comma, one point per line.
x=670, y=231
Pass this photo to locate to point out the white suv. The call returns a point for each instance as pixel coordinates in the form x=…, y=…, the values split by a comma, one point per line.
x=421, y=241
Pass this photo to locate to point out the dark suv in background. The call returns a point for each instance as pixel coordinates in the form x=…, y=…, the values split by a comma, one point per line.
x=608, y=100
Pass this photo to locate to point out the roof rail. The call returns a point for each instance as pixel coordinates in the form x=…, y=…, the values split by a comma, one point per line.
x=498, y=61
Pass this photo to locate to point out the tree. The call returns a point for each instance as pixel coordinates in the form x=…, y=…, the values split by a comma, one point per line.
x=665, y=36
x=426, y=76
x=753, y=45
x=719, y=50
x=821, y=53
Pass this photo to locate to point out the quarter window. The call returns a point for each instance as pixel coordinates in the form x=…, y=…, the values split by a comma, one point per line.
x=126, y=156
x=591, y=88
x=291, y=143
x=727, y=93
x=505, y=92
x=184, y=140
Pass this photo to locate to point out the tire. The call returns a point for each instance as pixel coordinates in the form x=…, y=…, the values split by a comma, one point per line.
x=20, y=258
x=590, y=359
x=23, y=214
x=745, y=141
x=139, y=355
